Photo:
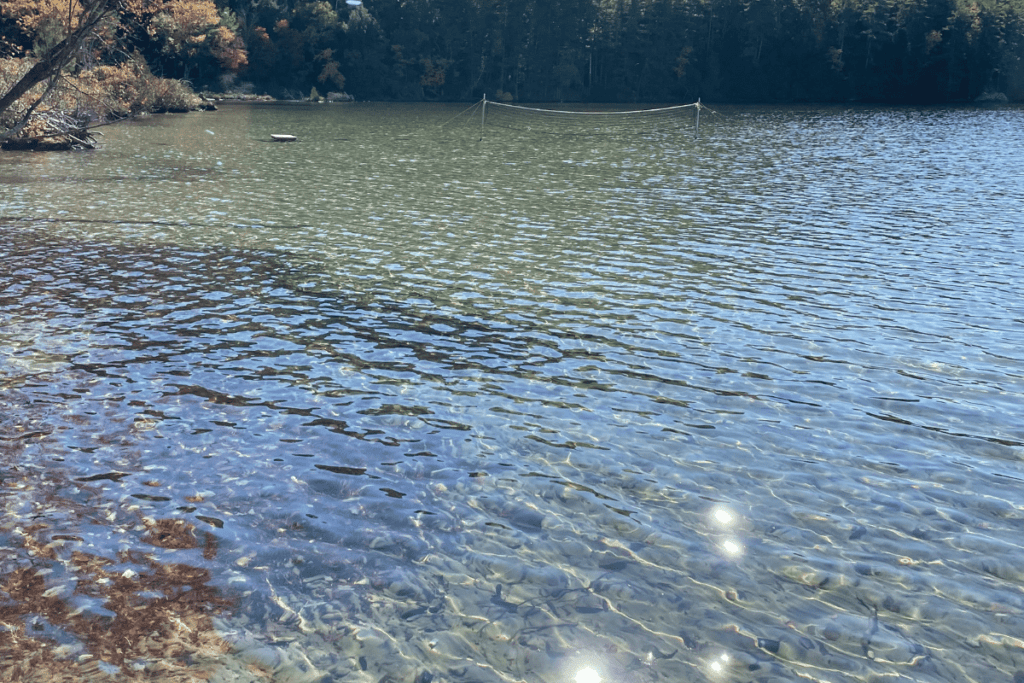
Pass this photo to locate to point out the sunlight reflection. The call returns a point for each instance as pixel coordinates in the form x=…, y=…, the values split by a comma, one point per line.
x=723, y=515
x=587, y=675
x=719, y=665
x=732, y=548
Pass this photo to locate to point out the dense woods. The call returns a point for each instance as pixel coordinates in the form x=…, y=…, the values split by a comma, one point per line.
x=527, y=50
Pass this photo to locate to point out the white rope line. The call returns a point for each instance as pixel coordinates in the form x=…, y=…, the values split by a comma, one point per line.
x=598, y=113
x=470, y=108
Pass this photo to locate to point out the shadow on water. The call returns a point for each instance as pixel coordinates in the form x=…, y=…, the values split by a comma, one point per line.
x=98, y=585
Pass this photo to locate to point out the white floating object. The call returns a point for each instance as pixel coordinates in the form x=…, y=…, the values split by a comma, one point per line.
x=283, y=138
x=353, y=3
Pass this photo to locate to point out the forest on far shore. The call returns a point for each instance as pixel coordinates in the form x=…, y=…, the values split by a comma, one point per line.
x=897, y=51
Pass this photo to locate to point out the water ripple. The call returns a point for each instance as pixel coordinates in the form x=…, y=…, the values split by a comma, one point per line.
x=497, y=409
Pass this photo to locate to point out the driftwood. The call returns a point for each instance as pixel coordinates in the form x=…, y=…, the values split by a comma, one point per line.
x=52, y=131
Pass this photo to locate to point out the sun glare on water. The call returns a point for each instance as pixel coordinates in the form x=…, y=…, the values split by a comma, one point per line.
x=587, y=675
x=732, y=548
x=724, y=516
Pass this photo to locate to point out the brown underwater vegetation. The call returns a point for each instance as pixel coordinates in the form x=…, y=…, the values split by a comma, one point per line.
x=70, y=612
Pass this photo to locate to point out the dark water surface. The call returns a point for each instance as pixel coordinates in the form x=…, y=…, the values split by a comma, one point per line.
x=443, y=403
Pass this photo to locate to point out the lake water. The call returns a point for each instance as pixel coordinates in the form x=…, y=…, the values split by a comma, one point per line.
x=416, y=400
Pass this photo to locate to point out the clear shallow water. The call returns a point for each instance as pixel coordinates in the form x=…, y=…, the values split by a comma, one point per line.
x=453, y=406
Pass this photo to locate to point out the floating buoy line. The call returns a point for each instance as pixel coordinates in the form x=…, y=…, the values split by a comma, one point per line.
x=583, y=122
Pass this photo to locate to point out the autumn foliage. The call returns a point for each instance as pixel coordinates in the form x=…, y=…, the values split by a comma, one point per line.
x=131, y=61
x=30, y=15
x=557, y=50
x=187, y=31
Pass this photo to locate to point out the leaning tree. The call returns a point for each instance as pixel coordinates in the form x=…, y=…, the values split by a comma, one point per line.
x=90, y=15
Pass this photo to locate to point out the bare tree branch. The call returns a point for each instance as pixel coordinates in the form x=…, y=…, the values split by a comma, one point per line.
x=28, y=114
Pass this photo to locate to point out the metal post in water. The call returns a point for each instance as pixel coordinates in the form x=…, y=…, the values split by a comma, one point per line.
x=483, y=113
x=696, y=131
